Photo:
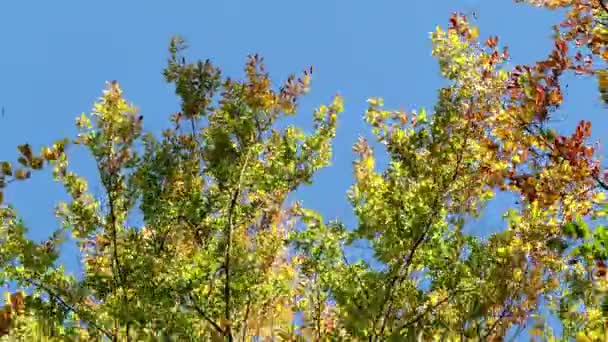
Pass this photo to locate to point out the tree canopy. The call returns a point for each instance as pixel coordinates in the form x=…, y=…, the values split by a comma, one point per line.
x=224, y=254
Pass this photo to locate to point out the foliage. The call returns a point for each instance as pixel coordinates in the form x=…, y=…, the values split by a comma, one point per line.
x=221, y=255
x=211, y=259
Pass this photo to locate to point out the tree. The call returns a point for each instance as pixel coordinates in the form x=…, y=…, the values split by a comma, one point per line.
x=220, y=255
x=489, y=132
x=211, y=259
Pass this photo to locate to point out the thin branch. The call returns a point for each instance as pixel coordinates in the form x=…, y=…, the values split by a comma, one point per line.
x=507, y=308
x=200, y=311
x=402, y=271
x=418, y=317
x=111, y=203
x=195, y=228
x=246, y=319
x=68, y=306
x=359, y=280
x=318, y=312
x=399, y=278
x=435, y=207
x=193, y=127
x=118, y=270
x=603, y=5
x=520, y=328
x=430, y=308
x=230, y=229
x=495, y=324
x=542, y=136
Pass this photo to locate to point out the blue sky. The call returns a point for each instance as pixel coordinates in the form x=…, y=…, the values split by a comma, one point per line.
x=57, y=55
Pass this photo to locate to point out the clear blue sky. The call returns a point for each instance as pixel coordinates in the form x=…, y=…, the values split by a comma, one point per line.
x=57, y=55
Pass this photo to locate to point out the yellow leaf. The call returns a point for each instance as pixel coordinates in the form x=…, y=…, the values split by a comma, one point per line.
x=375, y=101
x=599, y=197
x=582, y=338
x=22, y=174
x=369, y=163
x=517, y=274
x=338, y=103
x=6, y=168
x=474, y=34
x=422, y=115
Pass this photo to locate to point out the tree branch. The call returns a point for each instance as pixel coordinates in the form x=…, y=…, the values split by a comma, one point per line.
x=493, y=327
x=359, y=280
x=245, y=320
x=435, y=208
x=418, y=317
x=68, y=306
x=603, y=5
x=118, y=272
x=507, y=307
x=230, y=229
x=542, y=133
x=430, y=308
x=204, y=315
x=399, y=278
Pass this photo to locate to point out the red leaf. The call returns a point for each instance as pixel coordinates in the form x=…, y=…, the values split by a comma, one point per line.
x=491, y=42
x=561, y=46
